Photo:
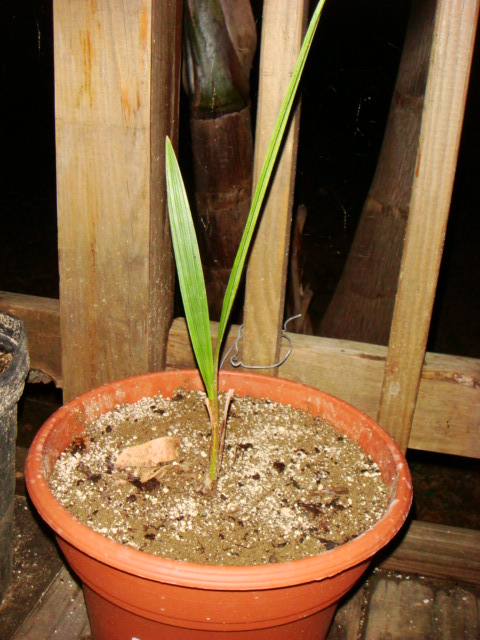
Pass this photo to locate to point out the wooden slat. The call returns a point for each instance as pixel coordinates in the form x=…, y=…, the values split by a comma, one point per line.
x=410, y=609
x=42, y=321
x=407, y=607
x=448, y=409
x=283, y=25
x=445, y=96
x=59, y=614
x=347, y=623
x=385, y=605
x=448, y=406
x=438, y=551
x=458, y=611
x=109, y=185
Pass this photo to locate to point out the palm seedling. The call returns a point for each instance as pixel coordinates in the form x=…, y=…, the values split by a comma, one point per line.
x=189, y=266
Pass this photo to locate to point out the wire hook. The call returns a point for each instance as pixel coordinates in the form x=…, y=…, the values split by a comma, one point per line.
x=235, y=362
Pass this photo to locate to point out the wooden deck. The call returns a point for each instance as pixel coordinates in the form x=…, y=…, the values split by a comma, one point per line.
x=392, y=602
x=386, y=605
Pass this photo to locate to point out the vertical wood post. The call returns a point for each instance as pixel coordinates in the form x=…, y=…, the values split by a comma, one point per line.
x=445, y=96
x=283, y=28
x=116, y=97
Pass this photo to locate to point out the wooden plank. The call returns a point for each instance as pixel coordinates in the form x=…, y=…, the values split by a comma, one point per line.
x=457, y=611
x=59, y=614
x=283, y=25
x=448, y=406
x=385, y=605
x=406, y=608
x=347, y=623
x=445, y=96
x=393, y=610
x=447, y=412
x=108, y=186
x=438, y=551
x=42, y=320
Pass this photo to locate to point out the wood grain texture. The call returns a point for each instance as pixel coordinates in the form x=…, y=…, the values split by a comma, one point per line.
x=445, y=95
x=60, y=614
x=166, y=45
x=408, y=608
x=448, y=405
x=111, y=223
x=282, y=31
x=436, y=550
x=347, y=623
x=42, y=322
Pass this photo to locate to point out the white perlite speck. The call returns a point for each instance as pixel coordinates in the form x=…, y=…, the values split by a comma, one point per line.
x=290, y=486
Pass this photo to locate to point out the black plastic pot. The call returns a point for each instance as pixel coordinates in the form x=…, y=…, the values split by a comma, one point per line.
x=13, y=339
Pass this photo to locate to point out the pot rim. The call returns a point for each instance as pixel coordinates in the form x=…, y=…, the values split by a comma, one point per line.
x=189, y=574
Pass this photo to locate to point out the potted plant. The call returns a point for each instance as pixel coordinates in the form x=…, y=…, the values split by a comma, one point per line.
x=14, y=365
x=131, y=594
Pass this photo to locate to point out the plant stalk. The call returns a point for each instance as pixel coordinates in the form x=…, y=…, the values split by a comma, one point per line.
x=189, y=268
x=215, y=441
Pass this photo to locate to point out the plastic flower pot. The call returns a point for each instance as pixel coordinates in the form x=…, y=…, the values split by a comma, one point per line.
x=13, y=340
x=131, y=594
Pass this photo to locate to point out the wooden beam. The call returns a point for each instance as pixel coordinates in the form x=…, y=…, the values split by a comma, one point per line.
x=436, y=550
x=448, y=405
x=445, y=95
x=283, y=25
x=42, y=321
x=116, y=83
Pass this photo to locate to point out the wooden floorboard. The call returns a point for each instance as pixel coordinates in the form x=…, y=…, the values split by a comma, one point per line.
x=349, y=618
x=59, y=614
x=408, y=608
x=384, y=605
x=436, y=550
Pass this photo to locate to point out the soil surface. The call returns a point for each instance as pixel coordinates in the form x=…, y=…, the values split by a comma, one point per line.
x=291, y=486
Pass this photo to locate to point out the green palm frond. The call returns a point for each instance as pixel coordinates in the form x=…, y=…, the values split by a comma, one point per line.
x=189, y=269
x=187, y=255
x=264, y=178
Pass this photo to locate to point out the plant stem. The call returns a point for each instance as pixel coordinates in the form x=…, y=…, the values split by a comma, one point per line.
x=215, y=441
x=187, y=257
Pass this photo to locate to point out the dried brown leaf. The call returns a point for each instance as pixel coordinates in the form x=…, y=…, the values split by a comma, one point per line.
x=150, y=454
x=145, y=474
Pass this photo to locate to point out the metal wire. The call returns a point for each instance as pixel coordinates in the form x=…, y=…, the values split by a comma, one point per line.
x=235, y=362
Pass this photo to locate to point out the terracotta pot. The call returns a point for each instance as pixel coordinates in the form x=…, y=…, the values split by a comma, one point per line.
x=131, y=594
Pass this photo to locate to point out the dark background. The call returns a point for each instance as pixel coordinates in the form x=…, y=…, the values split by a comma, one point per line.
x=346, y=96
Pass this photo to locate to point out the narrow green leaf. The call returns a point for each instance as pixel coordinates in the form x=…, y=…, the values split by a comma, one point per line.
x=262, y=185
x=189, y=269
